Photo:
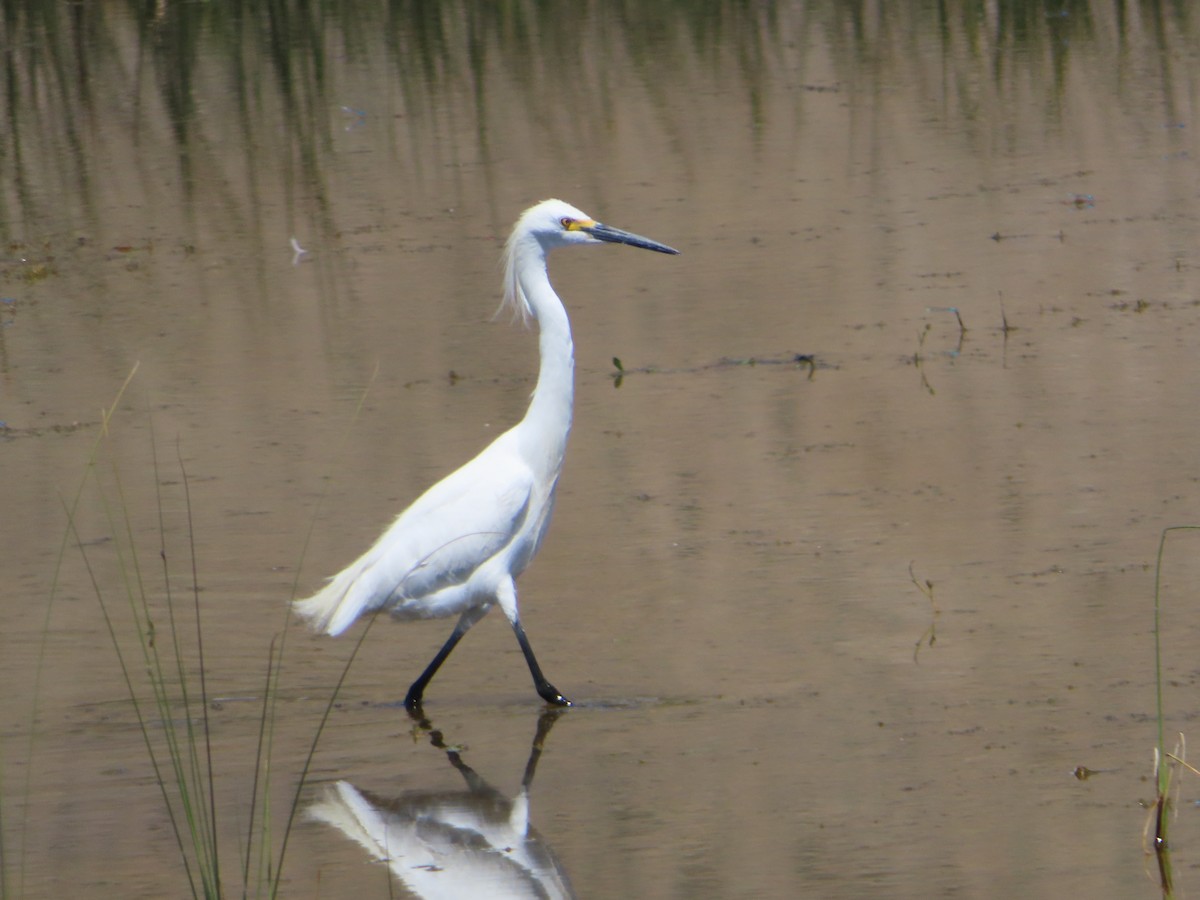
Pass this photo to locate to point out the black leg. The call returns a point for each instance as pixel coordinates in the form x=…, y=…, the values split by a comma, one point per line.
x=412, y=702
x=545, y=689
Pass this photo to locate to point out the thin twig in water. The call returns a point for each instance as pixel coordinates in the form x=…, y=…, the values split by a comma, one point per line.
x=929, y=633
x=798, y=360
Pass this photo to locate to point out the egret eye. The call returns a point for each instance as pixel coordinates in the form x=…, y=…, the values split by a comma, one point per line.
x=566, y=222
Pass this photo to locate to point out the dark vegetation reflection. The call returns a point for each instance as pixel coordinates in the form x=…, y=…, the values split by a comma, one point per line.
x=271, y=72
x=476, y=842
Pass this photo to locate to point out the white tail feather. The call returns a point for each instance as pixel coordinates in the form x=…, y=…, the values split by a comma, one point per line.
x=335, y=607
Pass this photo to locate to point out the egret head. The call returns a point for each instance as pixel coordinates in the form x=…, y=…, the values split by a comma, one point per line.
x=550, y=224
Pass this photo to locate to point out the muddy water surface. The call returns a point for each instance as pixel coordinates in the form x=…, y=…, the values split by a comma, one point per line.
x=840, y=626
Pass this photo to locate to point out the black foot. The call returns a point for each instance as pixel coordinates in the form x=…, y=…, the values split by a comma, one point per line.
x=550, y=694
x=412, y=703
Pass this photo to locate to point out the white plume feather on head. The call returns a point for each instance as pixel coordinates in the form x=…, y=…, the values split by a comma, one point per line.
x=515, y=300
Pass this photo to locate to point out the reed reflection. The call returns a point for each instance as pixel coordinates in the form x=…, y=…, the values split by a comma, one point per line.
x=454, y=843
x=251, y=95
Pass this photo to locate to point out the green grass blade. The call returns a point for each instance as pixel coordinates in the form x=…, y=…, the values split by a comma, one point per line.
x=1162, y=768
x=312, y=750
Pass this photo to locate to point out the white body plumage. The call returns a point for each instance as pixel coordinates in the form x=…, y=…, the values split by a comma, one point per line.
x=458, y=548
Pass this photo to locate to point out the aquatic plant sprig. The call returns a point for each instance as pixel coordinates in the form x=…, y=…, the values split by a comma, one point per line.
x=1161, y=808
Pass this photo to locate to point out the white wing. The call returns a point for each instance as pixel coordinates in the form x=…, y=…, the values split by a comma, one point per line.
x=440, y=541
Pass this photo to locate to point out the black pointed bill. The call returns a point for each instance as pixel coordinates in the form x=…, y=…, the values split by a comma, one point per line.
x=617, y=236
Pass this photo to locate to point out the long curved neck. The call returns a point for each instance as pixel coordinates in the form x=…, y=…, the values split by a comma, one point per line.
x=548, y=419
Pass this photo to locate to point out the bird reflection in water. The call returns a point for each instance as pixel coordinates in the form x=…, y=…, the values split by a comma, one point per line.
x=454, y=843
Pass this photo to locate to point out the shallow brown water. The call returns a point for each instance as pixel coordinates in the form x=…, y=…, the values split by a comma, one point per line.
x=726, y=589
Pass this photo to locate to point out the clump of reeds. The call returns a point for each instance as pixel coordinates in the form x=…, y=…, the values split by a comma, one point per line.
x=159, y=646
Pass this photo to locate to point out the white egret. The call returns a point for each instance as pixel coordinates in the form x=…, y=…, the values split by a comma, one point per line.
x=459, y=547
